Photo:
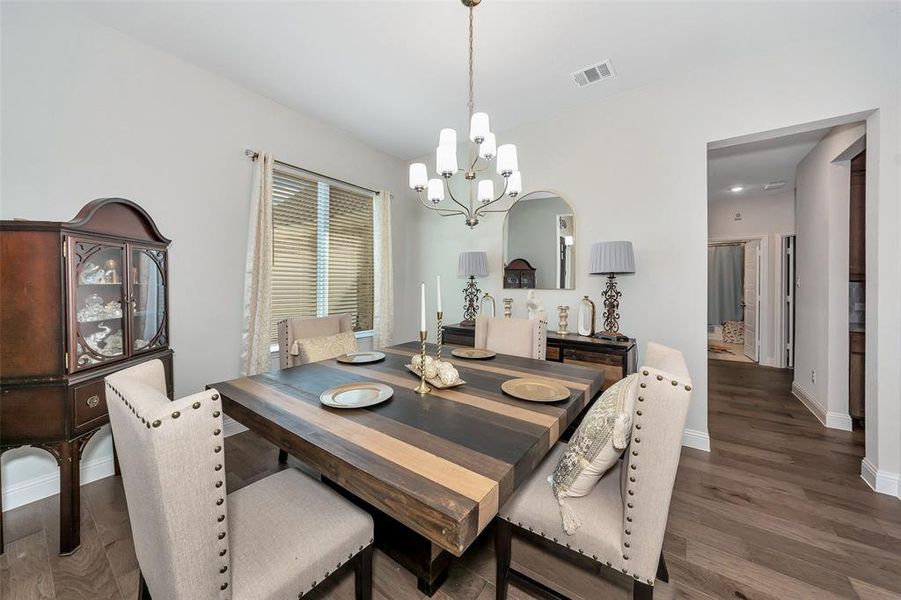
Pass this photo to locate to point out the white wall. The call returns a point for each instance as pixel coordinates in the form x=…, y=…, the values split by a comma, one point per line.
x=88, y=113
x=769, y=214
x=634, y=167
x=821, y=313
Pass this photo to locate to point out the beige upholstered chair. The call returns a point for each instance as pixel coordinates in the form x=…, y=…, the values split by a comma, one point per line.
x=307, y=327
x=300, y=328
x=624, y=517
x=517, y=337
x=276, y=538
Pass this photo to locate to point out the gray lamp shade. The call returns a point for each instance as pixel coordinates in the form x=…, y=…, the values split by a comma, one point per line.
x=611, y=257
x=473, y=263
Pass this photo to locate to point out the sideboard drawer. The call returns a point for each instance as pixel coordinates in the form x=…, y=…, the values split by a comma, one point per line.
x=90, y=402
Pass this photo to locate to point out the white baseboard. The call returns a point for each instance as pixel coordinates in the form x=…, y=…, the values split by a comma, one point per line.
x=881, y=481
x=831, y=419
x=698, y=440
x=231, y=426
x=30, y=490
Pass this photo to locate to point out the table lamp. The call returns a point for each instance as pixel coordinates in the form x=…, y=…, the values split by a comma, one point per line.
x=611, y=259
x=472, y=265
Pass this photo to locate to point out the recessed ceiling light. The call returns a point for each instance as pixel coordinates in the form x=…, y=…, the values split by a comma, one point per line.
x=736, y=188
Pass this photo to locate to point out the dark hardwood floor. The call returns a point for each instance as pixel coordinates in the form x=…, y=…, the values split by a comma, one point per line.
x=776, y=510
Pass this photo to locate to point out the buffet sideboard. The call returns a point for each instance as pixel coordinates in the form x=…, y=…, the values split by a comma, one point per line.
x=79, y=300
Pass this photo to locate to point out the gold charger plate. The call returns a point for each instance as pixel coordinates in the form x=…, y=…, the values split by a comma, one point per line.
x=535, y=390
x=436, y=382
x=473, y=353
x=356, y=395
x=361, y=358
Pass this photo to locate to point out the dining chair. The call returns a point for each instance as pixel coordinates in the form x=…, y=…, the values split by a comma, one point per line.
x=517, y=337
x=276, y=538
x=624, y=516
x=299, y=328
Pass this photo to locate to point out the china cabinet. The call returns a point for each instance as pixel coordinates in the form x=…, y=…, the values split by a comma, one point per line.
x=79, y=300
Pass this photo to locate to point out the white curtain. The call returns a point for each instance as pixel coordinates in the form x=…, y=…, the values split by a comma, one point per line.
x=258, y=273
x=383, y=313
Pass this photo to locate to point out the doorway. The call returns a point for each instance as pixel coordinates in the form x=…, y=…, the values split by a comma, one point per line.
x=734, y=276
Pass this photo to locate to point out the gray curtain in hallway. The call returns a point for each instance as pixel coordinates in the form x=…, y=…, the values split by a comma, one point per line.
x=725, y=275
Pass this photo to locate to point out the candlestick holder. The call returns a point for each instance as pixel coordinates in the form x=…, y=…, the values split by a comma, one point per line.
x=440, y=333
x=423, y=387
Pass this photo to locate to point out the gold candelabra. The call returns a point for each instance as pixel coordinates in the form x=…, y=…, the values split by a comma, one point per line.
x=440, y=333
x=423, y=387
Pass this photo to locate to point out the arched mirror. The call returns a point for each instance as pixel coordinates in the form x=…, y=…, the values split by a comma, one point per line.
x=539, y=243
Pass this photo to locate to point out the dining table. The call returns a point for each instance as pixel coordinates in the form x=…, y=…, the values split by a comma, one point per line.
x=433, y=468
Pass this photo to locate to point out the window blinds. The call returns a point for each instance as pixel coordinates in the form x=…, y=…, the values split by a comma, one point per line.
x=322, y=261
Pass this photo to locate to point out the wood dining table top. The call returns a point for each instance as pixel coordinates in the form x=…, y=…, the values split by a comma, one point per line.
x=441, y=463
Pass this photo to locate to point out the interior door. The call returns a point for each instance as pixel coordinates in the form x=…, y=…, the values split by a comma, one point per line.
x=788, y=318
x=752, y=299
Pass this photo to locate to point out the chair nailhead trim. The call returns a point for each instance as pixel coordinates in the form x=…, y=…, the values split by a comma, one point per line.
x=631, y=492
x=687, y=388
x=214, y=397
x=660, y=378
x=635, y=453
x=675, y=383
x=216, y=414
x=625, y=557
x=223, y=586
x=223, y=569
x=221, y=535
x=637, y=440
x=644, y=372
x=637, y=426
x=157, y=423
x=629, y=519
x=176, y=414
x=196, y=405
x=217, y=449
x=218, y=484
x=627, y=544
x=217, y=431
x=641, y=398
x=629, y=504
x=223, y=552
x=220, y=518
x=644, y=385
x=632, y=479
x=217, y=468
x=638, y=412
x=633, y=466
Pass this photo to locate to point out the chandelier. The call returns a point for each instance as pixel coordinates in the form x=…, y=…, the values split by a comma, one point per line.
x=482, y=150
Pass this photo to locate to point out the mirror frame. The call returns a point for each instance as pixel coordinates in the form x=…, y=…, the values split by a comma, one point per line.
x=505, y=260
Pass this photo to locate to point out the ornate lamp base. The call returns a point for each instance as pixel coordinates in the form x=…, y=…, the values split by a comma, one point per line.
x=470, y=302
x=611, y=308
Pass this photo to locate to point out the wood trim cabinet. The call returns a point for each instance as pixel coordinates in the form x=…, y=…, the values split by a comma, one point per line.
x=79, y=300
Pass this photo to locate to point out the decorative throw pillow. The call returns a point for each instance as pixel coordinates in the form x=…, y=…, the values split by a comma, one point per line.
x=595, y=447
x=324, y=347
x=734, y=332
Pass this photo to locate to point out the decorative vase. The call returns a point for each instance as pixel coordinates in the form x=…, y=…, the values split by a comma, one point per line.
x=586, y=316
x=564, y=320
x=488, y=306
x=508, y=307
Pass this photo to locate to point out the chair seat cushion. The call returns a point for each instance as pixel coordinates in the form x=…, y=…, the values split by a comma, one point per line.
x=315, y=349
x=534, y=507
x=288, y=532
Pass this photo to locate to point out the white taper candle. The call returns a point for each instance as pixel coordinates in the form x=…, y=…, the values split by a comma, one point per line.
x=422, y=307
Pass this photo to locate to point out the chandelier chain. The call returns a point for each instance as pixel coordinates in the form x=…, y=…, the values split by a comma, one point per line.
x=471, y=77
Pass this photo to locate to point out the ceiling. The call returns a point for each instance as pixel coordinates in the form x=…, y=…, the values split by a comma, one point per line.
x=755, y=164
x=393, y=73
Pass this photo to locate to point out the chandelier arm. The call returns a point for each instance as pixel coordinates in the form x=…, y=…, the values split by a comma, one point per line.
x=467, y=211
x=444, y=212
x=498, y=210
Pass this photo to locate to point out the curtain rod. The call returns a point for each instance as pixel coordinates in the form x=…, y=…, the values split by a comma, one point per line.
x=253, y=155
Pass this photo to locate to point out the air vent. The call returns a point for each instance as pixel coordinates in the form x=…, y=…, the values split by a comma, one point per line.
x=594, y=73
x=774, y=185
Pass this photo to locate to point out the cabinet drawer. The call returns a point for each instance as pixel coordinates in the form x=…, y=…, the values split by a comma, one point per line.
x=90, y=402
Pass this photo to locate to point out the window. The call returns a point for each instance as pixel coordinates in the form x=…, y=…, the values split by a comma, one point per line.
x=322, y=260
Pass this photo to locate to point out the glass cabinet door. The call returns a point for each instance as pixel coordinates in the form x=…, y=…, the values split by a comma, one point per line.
x=147, y=280
x=96, y=303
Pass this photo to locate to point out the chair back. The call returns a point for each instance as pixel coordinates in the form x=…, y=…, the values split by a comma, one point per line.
x=299, y=328
x=652, y=459
x=173, y=471
x=517, y=337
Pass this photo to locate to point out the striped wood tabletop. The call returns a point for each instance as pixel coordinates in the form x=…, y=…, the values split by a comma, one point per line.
x=441, y=463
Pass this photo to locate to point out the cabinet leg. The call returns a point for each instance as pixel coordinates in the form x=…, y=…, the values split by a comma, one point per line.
x=2, y=546
x=69, y=497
